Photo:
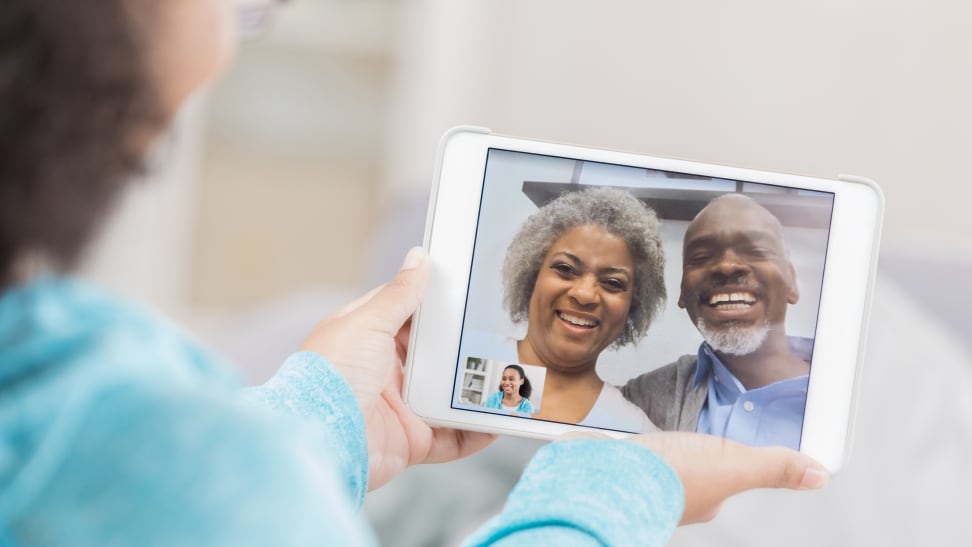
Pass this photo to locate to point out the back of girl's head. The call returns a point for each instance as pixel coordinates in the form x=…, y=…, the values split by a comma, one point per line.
x=78, y=111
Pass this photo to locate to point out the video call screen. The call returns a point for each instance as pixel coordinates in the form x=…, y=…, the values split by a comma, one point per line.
x=572, y=336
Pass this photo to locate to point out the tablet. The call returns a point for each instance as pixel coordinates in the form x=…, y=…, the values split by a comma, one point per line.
x=582, y=289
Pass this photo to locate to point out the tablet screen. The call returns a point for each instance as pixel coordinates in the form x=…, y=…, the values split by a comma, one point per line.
x=627, y=298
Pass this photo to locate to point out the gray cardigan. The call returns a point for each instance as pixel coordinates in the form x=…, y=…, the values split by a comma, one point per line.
x=667, y=395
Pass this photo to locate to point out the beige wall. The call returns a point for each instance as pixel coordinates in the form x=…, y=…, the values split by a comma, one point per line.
x=144, y=250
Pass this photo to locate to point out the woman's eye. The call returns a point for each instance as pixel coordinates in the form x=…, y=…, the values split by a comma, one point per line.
x=615, y=284
x=563, y=268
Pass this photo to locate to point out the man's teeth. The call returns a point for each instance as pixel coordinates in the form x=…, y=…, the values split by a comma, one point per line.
x=732, y=299
x=580, y=322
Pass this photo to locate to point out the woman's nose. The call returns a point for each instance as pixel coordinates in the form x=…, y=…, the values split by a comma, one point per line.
x=584, y=290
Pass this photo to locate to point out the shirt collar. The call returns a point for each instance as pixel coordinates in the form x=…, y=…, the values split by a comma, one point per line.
x=709, y=363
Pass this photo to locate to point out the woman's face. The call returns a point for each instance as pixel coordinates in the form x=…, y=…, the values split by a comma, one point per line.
x=581, y=299
x=511, y=381
x=191, y=42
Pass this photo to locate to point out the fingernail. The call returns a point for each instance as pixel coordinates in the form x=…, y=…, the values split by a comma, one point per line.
x=814, y=478
x=414, y=257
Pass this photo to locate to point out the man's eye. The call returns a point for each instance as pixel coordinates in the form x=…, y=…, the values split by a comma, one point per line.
x=757, y=252
x=698, y=258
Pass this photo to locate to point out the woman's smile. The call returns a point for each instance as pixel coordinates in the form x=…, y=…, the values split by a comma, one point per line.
x=578, y=320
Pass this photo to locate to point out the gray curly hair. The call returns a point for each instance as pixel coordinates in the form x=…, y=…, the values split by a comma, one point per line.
x=618, y=212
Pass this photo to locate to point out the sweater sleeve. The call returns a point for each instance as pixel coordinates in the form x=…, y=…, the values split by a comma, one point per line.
x=157, y=464
x=310, y=387
x=589, y=492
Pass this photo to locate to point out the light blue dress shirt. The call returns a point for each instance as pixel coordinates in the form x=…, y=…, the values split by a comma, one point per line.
x=770, y=415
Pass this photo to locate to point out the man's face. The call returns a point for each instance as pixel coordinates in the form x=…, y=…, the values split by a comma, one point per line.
x=736, y=279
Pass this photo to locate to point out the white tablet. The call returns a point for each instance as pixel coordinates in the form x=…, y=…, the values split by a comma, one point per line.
x=576, y=288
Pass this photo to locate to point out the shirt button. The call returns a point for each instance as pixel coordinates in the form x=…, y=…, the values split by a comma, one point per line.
x=748, y=406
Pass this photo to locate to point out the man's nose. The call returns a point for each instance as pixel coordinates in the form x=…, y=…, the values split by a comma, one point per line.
x=730, y=266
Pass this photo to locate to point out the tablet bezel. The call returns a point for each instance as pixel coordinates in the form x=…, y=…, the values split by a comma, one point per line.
x=450, y=238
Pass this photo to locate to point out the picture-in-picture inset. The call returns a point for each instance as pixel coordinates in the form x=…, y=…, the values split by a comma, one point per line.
x=508, y=388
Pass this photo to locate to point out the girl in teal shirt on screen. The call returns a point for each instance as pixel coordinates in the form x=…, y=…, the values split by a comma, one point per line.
x=514, y=392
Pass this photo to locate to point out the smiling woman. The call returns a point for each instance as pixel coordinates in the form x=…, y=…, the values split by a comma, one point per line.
x=586, y=273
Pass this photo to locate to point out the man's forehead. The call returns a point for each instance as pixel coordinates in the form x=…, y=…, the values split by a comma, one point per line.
x=734, y=214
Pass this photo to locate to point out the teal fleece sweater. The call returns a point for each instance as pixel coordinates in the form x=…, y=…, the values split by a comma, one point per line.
x=115, y=429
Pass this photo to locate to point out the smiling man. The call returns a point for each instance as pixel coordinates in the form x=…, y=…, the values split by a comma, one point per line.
x=748, y=380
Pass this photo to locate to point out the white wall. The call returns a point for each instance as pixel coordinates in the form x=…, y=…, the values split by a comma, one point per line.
x=875, y=88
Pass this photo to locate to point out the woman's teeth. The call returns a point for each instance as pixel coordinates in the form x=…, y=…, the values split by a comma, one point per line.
x=578, y=321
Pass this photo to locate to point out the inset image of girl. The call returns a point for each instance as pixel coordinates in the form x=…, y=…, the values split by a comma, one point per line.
x=514, y=392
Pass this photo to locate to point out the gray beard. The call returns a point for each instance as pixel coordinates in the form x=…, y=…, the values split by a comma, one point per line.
x=735, y=339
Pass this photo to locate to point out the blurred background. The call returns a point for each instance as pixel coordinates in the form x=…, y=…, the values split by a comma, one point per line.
x=302, y=177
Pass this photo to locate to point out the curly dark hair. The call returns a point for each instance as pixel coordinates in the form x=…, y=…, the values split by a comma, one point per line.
x=525, y=389
x=79, y=109
x=621, y=214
